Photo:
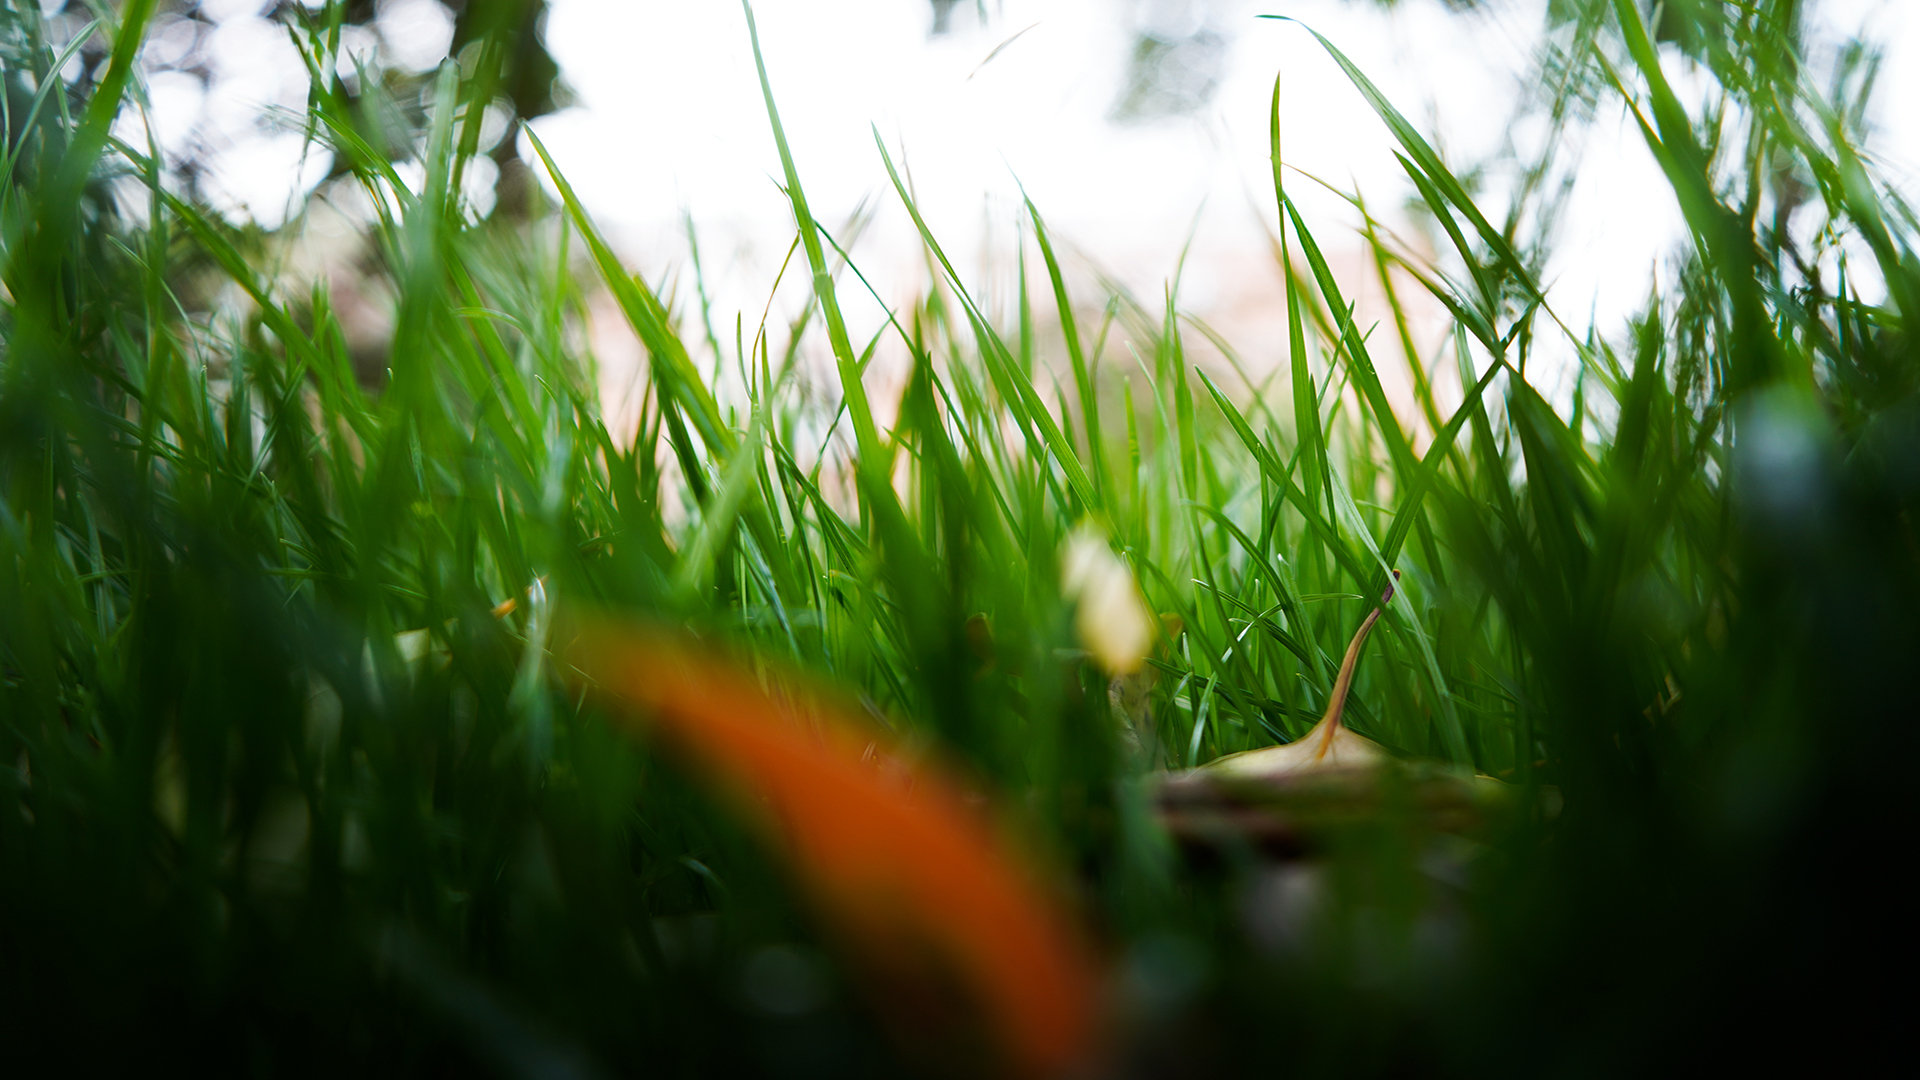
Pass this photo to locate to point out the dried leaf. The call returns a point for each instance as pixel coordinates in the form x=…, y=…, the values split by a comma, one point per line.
x=1276, y=796
x=1329, y=744
x=1241, y=794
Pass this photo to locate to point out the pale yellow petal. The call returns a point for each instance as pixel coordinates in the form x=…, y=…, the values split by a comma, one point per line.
x=1113, y=621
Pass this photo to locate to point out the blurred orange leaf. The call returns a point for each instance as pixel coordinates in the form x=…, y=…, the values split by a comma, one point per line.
x=889, y=850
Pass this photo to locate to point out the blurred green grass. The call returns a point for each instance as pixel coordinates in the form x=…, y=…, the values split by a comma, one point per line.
x=283, y=795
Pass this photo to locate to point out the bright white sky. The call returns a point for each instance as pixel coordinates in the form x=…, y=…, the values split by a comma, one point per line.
x=669, y=122
x=670, y=117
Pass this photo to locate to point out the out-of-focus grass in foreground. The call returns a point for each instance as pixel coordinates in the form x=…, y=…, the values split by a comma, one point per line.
x=285, y=787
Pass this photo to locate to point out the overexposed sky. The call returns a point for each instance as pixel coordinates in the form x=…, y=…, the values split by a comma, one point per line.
x=669, y=122
x=671, y=118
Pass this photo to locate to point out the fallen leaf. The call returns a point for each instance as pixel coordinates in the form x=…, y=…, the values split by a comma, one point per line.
x=1329, y=744
x=1265, y=795
x=1275, y=797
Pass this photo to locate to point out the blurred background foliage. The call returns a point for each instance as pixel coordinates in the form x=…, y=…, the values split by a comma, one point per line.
x=286, y=788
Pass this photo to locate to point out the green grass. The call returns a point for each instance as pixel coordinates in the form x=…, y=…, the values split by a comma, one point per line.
x=240, y=829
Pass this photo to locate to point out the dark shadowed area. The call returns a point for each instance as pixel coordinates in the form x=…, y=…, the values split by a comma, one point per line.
x=1017, y=678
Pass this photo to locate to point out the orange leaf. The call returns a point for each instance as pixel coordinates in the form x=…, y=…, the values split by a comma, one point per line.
x=891, y=853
